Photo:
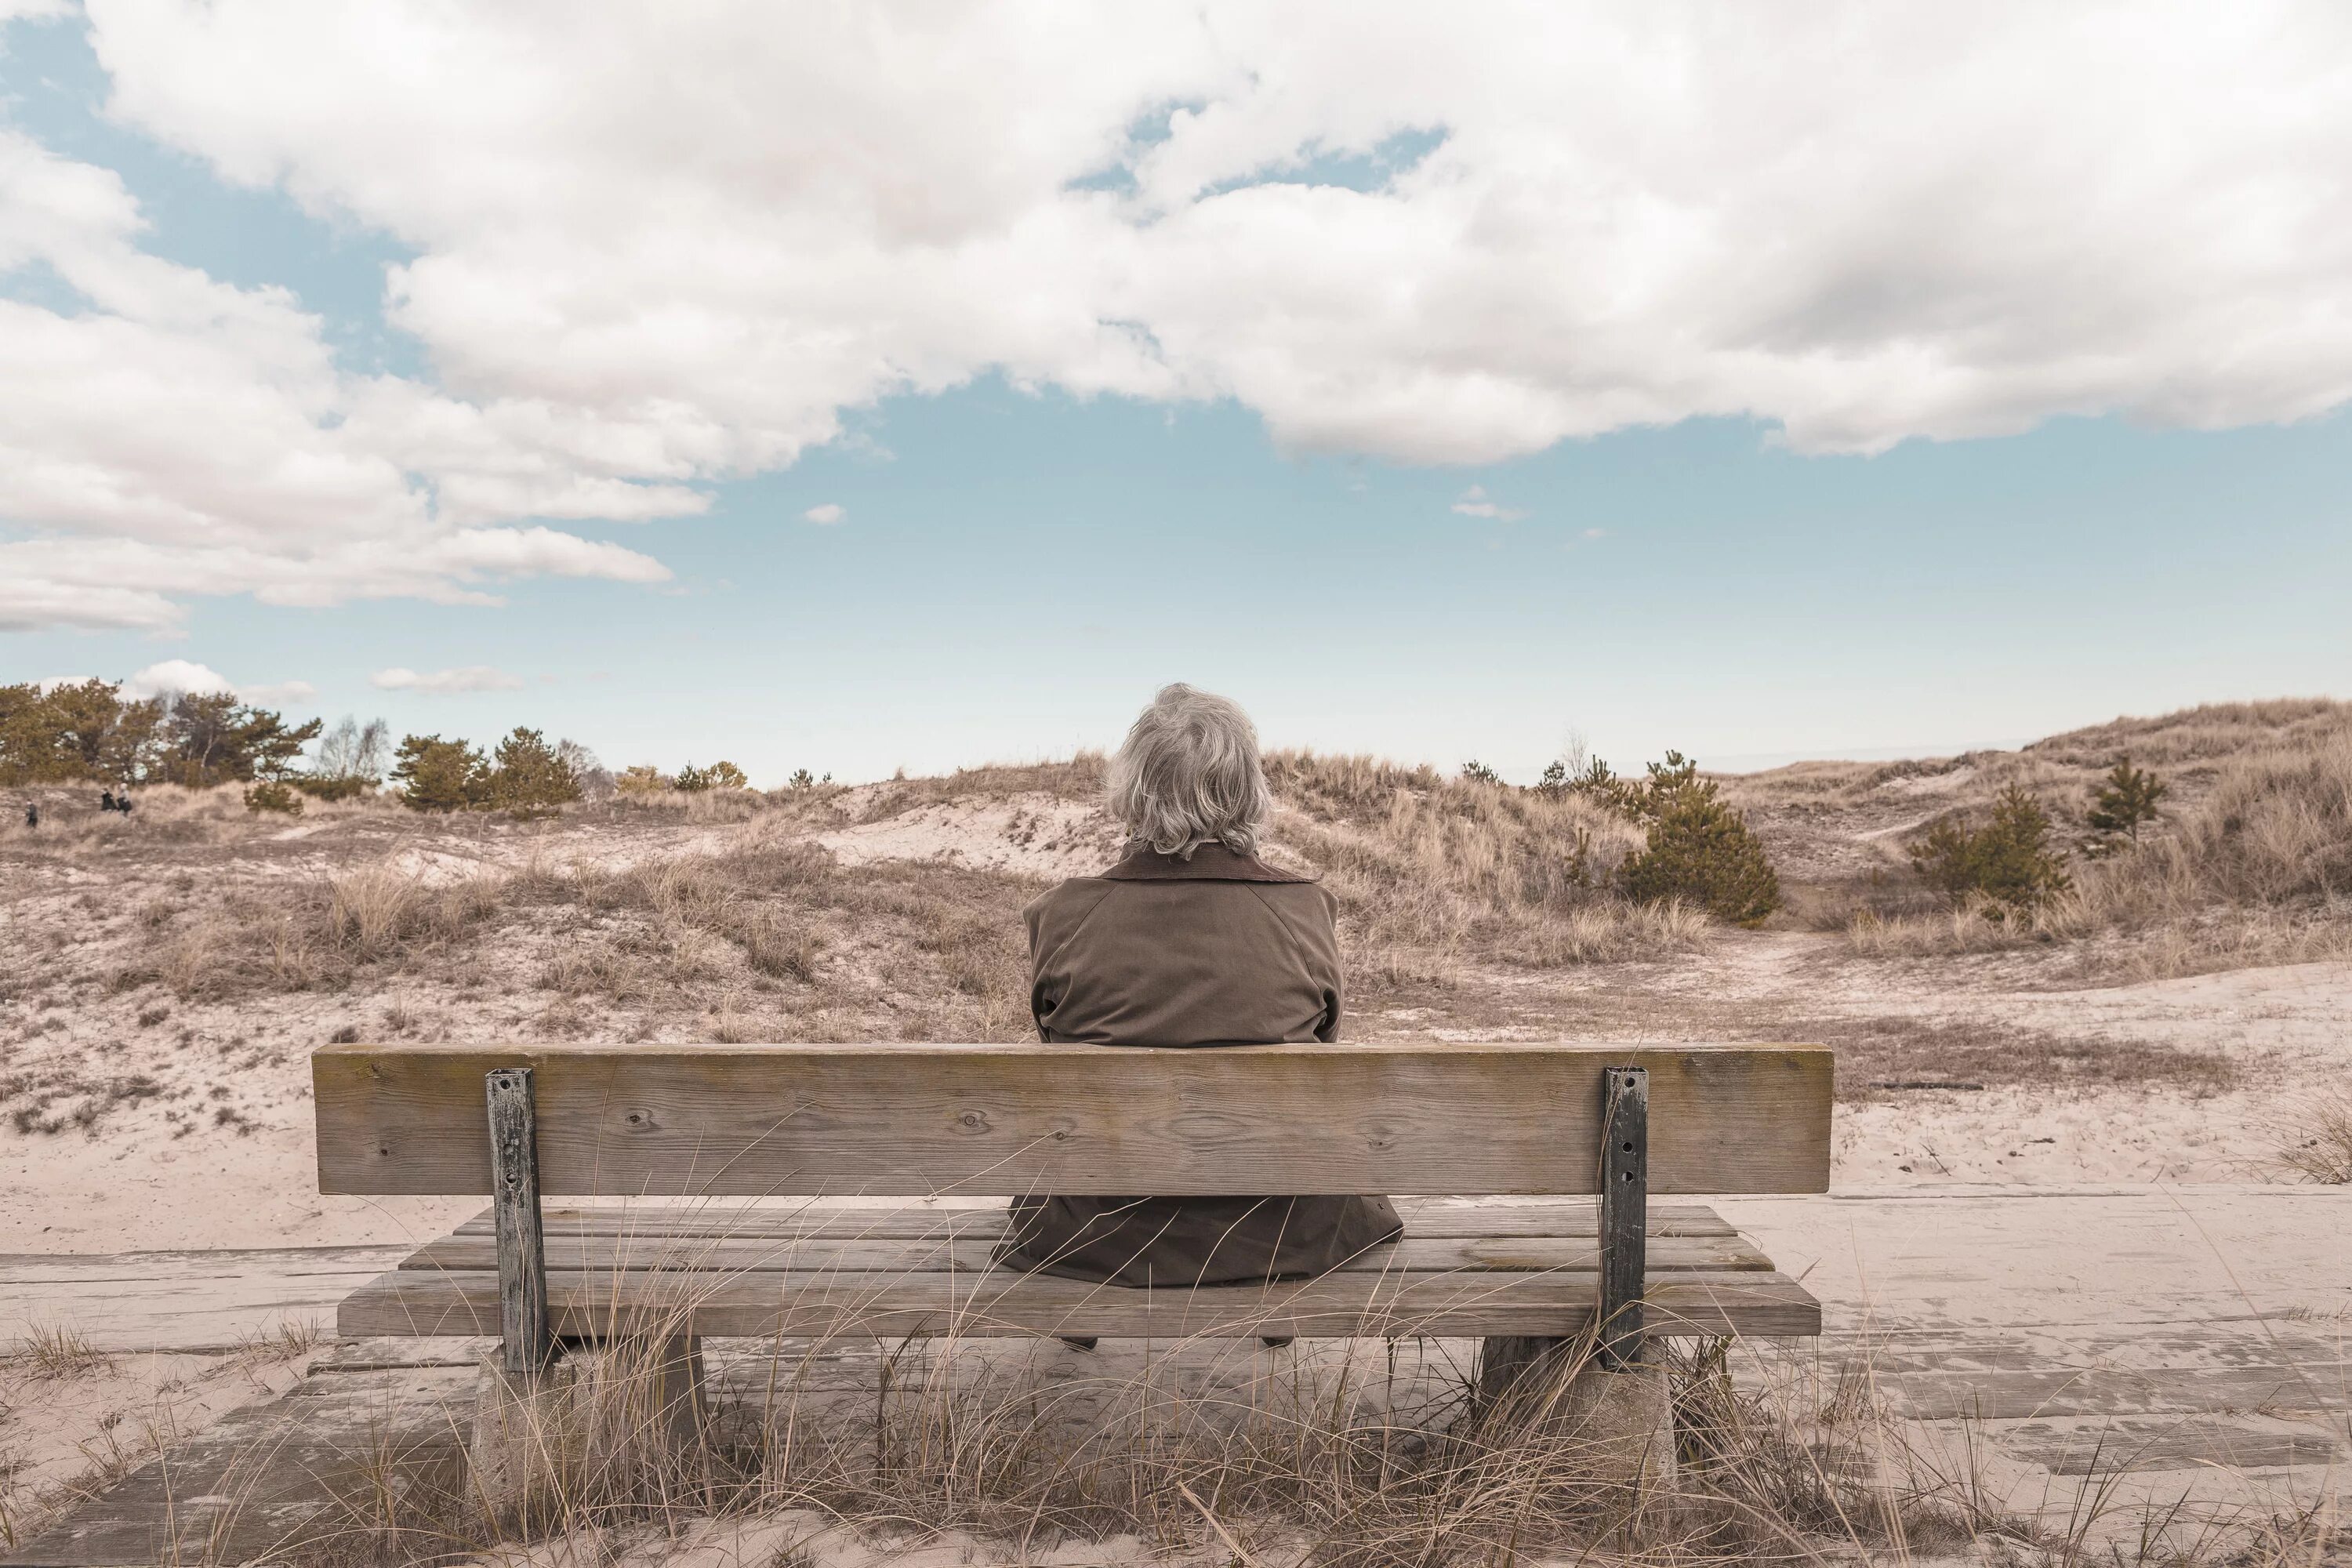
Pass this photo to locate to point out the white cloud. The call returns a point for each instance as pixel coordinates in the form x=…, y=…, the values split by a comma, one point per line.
x=1857, y=226
x=173, y=676
x=1476, y=502
x=828, y=513
x=472, y=677
x=1596, y=533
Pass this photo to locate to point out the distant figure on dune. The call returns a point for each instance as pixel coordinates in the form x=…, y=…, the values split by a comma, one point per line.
x=106, y=800
x=1192, y=940
x=32, y=814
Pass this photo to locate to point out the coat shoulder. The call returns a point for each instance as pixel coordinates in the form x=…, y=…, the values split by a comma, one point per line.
x=1060, y=909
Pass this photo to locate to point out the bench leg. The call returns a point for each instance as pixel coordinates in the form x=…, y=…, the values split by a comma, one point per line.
x=1507, y=1362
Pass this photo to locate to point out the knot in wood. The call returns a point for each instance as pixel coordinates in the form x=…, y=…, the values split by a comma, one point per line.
x=637, y=1119
x=973, y=1121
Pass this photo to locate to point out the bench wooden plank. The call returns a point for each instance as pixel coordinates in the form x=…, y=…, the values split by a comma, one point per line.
x=1421, y=1217
x=917, y=1120
x=608, y=1254
x=996, y=1304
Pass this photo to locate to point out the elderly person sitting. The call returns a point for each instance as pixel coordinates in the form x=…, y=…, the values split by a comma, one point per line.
x=1192, y=940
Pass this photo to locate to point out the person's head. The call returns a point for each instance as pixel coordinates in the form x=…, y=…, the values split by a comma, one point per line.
x=1189, y=774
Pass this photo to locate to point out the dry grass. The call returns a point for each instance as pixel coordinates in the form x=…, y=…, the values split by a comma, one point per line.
x=2258, y=872
x=58, y=1350
x=1431, y=872
x=1218, y=1453
x=766, y=936
x=2318, y=1145
x=1080, y=778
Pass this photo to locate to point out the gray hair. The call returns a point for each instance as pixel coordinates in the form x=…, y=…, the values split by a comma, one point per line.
x=1189, y=774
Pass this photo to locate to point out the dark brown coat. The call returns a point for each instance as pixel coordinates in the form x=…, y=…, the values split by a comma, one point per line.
x=1219, y=949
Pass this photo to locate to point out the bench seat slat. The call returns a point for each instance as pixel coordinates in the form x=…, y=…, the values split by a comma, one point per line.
x=1467, y=1304
x=609, y=1254
x=1423, y=1217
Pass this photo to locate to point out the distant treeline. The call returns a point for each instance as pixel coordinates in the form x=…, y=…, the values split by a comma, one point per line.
x=90, y=733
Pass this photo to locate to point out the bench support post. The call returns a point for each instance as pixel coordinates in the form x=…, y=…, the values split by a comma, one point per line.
x=526, y=1347
x=1504, y=1360
x=1625, y=1215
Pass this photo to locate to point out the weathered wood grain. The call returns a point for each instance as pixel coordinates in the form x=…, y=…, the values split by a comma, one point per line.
x=1625, y=1212
x=1421, y=1217
x=897, y=1119
x=605, y=1254
x=525, y=1345
x=995, y=1304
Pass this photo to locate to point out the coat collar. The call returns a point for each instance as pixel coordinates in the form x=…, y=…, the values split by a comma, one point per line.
x=1210, y=863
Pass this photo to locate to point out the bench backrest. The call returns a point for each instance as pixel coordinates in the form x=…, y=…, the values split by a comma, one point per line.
x=842, y=1120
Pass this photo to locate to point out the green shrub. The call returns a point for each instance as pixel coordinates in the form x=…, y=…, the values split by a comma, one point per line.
x=434, y=775
x=273, y=794
x=1700, y=850
x=2128, y=799
x=528, y=775
x=1477, y=771
x=718, y=775
x=2009, y=860
x=342, y=786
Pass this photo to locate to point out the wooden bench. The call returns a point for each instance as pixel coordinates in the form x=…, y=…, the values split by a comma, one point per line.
x=869, y=1124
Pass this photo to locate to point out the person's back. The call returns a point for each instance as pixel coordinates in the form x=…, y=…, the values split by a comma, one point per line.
x=1191, y=941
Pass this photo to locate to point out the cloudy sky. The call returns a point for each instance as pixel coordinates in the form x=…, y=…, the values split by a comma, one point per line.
x=870, y=384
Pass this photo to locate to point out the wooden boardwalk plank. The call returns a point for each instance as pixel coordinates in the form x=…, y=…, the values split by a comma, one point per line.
x=185, y=1300
x=2128, y=1445
x=2056, y=1390
x=243, y=1486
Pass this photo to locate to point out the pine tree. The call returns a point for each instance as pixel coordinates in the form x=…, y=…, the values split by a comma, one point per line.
x=2127, y=799
x=1698, y=848
x=528, y=775
x=2007, y=860
x=434, y=775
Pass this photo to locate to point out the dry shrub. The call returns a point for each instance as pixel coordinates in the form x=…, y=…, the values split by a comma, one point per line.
x=312, y=934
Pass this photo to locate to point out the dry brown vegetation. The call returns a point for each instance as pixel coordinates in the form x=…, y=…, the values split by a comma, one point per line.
x=2318, y=1141
x=758, y=930
x=1331, y=1456
x=2251, y=862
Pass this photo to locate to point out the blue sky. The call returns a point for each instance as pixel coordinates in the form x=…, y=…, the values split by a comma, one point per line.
x=1022, y=555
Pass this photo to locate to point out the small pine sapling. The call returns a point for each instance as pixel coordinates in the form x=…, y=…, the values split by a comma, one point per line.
x=2126, y=799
